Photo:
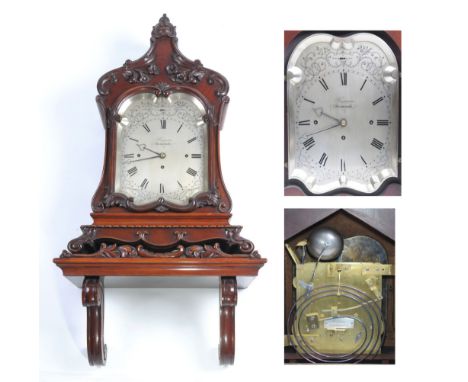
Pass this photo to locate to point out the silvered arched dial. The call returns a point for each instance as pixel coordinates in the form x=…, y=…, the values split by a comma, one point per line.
x=343, y=117
x=162, y=148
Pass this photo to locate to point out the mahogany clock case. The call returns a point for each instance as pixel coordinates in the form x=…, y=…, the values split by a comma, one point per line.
x=129, y=234
x=390, y=187
x=161, y=238
x=376, y=224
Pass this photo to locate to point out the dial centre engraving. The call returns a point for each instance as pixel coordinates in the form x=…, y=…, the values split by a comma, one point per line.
x=143, y=170
x=343, y=114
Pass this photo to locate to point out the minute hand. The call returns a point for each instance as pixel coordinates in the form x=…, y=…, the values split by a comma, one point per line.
x=137, y=160
x=328, y=128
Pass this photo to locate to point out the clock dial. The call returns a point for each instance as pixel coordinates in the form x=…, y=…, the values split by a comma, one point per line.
x=343, y=118
x=161, y=148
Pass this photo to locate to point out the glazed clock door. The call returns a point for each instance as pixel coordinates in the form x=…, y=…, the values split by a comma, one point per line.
x=343, y=114
x=162, y=148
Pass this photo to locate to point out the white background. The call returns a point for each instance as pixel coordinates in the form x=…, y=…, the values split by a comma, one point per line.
x=52, y=150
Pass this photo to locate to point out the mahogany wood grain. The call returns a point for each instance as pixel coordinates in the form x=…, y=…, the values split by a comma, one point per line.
x=161, y=238
x=160, y=267
x=149, y=218
x=227, y=310
x=93, y=300
x=161, y=226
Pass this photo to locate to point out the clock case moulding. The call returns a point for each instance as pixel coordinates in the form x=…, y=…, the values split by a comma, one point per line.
x=291, y=40
x=160, y=238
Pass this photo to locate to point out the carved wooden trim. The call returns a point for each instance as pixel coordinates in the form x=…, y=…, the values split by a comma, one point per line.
x=93, y=300
x=201, y=200
x=114, y=250
x=222, y=86
x=194, y=240
x=162, y=69
x=209, y=251
x=180, y=235
x=162, y=89
x=127, y=241
x=139, y=74
x=113, y=200
x=82, y=242
x=123, y=226
x=105, y=83
x=227, y=309
x=163, y=28
x=245, y=246
x=183, y=71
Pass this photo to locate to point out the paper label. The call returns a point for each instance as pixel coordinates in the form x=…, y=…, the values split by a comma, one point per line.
x=339, y=323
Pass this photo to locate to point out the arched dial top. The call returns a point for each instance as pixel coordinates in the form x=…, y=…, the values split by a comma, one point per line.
x=162, y=148
x=343, y=113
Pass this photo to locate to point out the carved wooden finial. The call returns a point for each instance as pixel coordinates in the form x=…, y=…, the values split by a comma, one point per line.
x=164, y=28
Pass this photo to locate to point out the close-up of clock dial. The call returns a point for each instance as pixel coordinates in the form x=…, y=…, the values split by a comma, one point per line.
x=343, y=120
x=161, y=148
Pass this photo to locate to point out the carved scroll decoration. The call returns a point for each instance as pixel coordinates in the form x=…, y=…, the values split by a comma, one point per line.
x=202, y=251
x=93, y=299
x=184, y=71
x=85, y=240
x=139, y=74
x=114, y=200
x=222, y=86
x=162, y=205
x=162, y=89
x=245, y=246
x=227, y=310
x=105, y=83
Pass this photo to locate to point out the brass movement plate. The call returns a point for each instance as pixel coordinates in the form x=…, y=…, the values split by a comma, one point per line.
x=335, y=323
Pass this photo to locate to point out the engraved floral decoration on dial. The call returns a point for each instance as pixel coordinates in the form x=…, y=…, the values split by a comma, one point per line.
x=162, y=148
x=343, y=117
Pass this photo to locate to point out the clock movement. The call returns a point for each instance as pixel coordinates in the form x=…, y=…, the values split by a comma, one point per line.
x=342, y=302
x=343, y=112
x=161, y=210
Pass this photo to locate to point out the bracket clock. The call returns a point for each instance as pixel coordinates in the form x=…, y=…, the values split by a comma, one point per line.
x=161, y=210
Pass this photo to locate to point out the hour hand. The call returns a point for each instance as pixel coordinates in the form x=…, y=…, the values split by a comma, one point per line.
x=319, y=112
x=142, y=146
